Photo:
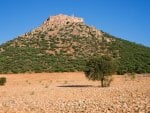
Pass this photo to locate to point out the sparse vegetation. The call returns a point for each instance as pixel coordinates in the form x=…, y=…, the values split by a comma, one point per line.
x=132, y=76
x=65, y=82
x=2, y=81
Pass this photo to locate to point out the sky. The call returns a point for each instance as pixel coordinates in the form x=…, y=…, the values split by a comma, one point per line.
x=127, y=19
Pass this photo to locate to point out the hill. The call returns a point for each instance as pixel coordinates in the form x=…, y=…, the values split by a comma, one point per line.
x=64, y=43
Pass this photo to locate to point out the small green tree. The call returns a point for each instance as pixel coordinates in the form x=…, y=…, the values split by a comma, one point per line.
x=99, y=68
x=2, y=80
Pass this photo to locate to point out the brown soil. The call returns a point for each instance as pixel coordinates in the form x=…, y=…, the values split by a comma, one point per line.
x=73, y=93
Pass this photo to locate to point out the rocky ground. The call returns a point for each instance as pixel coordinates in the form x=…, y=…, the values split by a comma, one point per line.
x=73, y=93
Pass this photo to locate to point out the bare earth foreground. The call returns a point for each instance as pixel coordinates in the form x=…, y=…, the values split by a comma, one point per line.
x=73, y=93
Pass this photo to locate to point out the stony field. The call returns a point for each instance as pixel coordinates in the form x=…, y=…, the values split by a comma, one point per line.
x=73, y=93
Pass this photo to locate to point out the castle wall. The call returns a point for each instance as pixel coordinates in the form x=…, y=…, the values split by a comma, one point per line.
x=62, y=20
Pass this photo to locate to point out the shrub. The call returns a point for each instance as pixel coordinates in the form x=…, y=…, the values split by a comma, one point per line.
x=99, y=68
x=132, y=76
x=2, y=81
x=107, y=81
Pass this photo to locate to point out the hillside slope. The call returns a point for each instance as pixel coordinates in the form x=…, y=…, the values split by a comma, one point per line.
x=64, y=43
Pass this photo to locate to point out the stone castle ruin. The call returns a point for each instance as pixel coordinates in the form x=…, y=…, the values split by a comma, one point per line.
x=62, y=20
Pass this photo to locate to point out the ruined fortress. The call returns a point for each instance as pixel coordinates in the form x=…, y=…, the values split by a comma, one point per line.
x=61, y=20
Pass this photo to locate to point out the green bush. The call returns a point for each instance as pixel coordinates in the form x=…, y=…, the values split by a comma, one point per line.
x=99, y=68
x=2, y=81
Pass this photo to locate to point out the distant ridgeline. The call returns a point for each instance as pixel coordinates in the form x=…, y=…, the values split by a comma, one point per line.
x=64, y=44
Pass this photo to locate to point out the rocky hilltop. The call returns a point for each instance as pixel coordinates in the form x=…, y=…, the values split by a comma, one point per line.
x=60, y=20
x=57, y=23
x=65, y=43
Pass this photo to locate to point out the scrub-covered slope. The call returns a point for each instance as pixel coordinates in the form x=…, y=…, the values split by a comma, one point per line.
x=64, y=43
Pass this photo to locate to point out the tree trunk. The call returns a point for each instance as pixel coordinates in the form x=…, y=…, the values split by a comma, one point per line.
x=102, y=82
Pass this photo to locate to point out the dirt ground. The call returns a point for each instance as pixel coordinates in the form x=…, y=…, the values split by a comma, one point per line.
x=73, y=93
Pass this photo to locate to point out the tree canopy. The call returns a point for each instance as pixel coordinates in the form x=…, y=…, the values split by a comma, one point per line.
x=98, y=68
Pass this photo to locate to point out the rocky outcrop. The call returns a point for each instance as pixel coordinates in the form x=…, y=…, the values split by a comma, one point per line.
x=60, y=20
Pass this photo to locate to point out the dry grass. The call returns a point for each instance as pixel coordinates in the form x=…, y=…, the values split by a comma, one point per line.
x=73, y=93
